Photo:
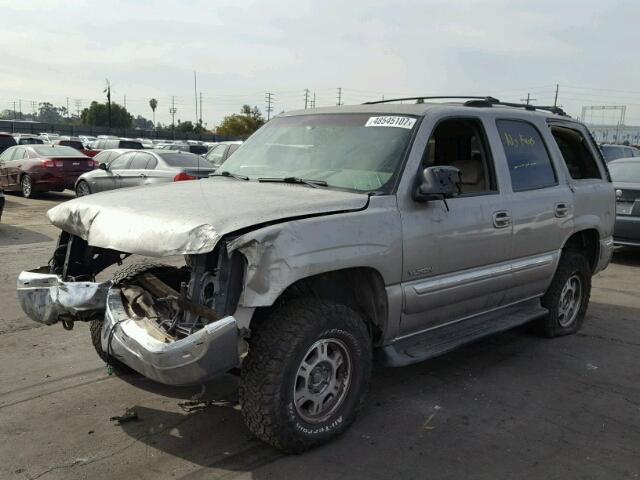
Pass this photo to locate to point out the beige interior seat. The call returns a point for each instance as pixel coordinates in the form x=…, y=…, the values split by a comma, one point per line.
x=471, y=175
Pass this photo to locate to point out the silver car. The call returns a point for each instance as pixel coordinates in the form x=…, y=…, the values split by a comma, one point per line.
x=120, y=168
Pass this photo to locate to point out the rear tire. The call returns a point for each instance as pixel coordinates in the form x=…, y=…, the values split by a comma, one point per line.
x=95, y=327
x=82, y=189
x=306, y=374
x=567, y=297
x=26, y=186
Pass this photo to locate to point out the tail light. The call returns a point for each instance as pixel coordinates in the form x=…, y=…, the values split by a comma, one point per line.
x=183, y=176
x=48, y=163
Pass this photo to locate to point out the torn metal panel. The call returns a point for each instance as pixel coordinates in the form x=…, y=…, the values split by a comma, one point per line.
x=45, y=298
x=279, y=255
x=190, y=217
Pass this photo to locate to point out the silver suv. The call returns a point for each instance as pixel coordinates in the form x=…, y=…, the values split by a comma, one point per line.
x=404, y=230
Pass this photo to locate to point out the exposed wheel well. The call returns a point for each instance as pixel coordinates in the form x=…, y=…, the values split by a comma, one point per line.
x=586, y=242
x=361, y=289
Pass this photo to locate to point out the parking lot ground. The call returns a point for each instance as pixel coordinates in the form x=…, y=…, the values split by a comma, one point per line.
x=510, y=406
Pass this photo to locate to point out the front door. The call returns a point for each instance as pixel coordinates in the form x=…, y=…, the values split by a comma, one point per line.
x=456, y=255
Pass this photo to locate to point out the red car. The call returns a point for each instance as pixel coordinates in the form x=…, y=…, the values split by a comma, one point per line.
x=77, y=144
x=31, y=169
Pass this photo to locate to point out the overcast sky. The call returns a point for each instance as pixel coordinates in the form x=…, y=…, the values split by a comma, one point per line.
x=241, y=49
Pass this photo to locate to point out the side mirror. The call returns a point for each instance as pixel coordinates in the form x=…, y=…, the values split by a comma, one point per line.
x=437, y=183
x=103, y=166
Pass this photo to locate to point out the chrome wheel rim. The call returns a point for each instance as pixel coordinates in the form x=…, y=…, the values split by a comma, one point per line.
x=570, y=301
x=26, y=186
x=322, y=380
x=83, y=189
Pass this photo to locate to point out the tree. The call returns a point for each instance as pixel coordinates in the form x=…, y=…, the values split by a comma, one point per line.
x=97, y=115
x=242, y=124
x=47, y=113
x=142, y=123
x=153, y=103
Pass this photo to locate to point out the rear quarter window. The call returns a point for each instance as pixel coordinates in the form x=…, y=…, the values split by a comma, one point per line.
x=527, y=156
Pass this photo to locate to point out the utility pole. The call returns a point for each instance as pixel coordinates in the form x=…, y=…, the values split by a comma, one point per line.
x=528, y=99
x=20, y=108
x=68, y=114
x=339, y=96
x=78, y=102
x=173, y=112
x=555, y=100
x=108, y=92
x=306, y=98
x=125, y=102
x=314, y=99
x=14, y=110
x=34, y=107
x=269, y=99
x=200, y=108
x=195, y=92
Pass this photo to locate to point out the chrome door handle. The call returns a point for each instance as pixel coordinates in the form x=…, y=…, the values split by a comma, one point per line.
x=501, y=219
x=562, y=210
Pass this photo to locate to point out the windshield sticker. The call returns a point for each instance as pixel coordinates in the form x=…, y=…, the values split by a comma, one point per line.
x=388, y=121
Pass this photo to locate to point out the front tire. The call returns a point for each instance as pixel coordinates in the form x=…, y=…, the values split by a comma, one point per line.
x=306, y=374
x=26, y=186
x=567, y=297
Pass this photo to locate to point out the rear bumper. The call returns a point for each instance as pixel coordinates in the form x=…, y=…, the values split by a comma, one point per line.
x=207, y=353
x=627, y=231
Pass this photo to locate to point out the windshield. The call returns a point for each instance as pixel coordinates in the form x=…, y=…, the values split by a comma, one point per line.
x=358, y=152
x=625, y=172
x=59, y=151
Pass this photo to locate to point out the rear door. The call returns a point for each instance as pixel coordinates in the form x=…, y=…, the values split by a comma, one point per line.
x=136, y=172
x=14, y=166
x=4, y=167
x=541, y=205
x=586, y=174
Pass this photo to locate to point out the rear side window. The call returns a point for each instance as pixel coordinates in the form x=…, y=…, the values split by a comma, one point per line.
x=140, y=161
x=529, y=162
x=72, y=143
x=576, y=153
x=198, y=149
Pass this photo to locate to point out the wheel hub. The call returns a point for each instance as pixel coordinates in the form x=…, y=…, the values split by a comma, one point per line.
x=322, y=380
x=570, y=301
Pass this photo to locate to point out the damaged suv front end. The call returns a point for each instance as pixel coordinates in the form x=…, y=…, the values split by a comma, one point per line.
x=173, y=325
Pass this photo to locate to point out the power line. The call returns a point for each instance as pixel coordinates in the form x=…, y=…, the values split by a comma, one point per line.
x=306, y=97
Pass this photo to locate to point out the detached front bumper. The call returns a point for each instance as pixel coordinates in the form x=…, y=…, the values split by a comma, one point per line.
x=136, y=342
x=140, y=344
x=46, y=298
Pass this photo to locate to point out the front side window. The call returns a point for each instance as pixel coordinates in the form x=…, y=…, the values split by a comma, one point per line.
x=527, y=156
x=122, y=162
x=460, y=143
x=139, y=162
x=576, y=153
x=358, y=152
x=216, y=155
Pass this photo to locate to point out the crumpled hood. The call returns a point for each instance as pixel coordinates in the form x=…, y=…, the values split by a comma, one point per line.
x=190, y=217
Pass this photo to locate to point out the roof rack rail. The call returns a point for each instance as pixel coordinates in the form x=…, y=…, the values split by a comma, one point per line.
x=474, y=101
x=420, y=99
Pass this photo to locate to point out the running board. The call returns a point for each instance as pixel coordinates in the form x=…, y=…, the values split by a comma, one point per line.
x=439, y=340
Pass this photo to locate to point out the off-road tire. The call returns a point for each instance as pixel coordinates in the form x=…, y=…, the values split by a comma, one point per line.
x=268, y=375
x=95, y=326
x=571, y=263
